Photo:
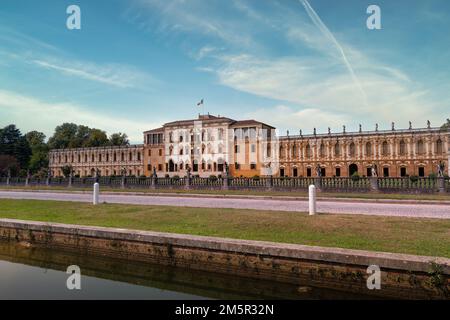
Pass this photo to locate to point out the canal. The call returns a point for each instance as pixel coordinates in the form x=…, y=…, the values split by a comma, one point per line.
x=40, y=273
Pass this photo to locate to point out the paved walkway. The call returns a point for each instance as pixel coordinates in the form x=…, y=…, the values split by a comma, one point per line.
x=324, y=206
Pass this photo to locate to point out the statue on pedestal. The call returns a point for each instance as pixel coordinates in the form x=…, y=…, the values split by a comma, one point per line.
x=410, y=125
x=374, y=170
x=428, y=124
x=441, y=167
x=318, y=171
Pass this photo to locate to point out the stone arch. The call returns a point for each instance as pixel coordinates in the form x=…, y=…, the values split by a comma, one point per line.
x=352, y=169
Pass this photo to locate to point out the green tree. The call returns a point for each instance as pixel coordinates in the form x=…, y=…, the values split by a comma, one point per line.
x=14, y=144
x=119, y=139
x=96, y=138
x=64, y=137
x=39, y=151
x=446, y=125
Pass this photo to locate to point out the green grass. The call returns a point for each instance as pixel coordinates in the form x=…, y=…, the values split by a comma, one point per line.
x=351, y=195
x=389, y=234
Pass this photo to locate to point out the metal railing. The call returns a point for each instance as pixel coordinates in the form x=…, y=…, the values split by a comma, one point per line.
x=328, y=184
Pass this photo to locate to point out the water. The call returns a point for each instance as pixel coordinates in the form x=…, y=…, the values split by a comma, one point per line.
x=39, y=273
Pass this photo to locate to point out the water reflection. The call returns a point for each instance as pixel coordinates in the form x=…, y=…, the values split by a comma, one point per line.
x=38, y=273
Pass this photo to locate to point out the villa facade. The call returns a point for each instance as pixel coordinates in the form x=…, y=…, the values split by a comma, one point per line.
x=210, y=145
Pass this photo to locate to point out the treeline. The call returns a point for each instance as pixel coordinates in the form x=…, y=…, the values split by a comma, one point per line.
x=22, y=154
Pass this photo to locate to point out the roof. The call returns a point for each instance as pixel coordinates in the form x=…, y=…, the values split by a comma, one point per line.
x=204, y=118
x=365, y=133
x=160, y=129
x=250, y=122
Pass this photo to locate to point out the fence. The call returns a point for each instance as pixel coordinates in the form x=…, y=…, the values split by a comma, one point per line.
x=335, y=184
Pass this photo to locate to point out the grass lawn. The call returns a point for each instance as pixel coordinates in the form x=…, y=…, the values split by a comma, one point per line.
x=390, y=234
x=354, y=195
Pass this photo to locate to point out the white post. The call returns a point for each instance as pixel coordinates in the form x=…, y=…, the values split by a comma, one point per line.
x=312, y=200
x=96, y=192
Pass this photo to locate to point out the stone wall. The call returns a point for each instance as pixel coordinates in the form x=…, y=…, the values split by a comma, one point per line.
x=402, y=276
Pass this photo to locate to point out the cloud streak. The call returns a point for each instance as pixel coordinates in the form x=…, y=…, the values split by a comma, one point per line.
x=327, y=33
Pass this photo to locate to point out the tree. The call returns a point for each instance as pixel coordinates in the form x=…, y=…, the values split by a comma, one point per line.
x=67, y=170
x=96, y=138
x=446, y=125
x=14, y=144
x=7, y=163
x=64, y=137
x=39, y=151
x=119, y=139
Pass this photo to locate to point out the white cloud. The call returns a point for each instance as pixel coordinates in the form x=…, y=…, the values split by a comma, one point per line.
x=111, y=74
x=30, y=113
x=282, y=116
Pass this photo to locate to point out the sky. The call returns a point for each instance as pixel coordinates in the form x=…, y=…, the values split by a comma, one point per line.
x=294, y=64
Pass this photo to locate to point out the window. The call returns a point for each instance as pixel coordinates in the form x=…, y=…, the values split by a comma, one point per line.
x=253, y=148
x=322, y=150
x=149, y=167
x=439, y=146
x=421, y=172
x=107, y=157
x=338, y=172
x=93, y=159
x=385, y=172
x=352, y=149
x=236, y=149
x=308, y=151
x=181, y=151
x=149, y=152
x=403, y=172
x=308, y=172
x=385, y=148
x=130, y=156
x=294, y=151
x=159, y=167
x=139, y=156
x=295, y=172
x=402, y=148
x=253, y=166
x=369, y=172
x=420, y=147
x=100, y=158
x=323, y=172
x=337, y=149
x=237, y=166
x=368, y=149
x=160, y=152
x=281, y=172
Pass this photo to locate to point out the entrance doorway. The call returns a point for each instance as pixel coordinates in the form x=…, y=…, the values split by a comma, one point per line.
x=352, y=169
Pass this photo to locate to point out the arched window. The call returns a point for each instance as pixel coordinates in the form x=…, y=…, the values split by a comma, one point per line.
x=308, y=151
x=322, y=150
x=368, y=149
x=337, y=149
x=294, y=151
x=281, y=150
x=439, y=146
x=420, y=147
x=402, y=148
x=385, y=148
x=352, y=149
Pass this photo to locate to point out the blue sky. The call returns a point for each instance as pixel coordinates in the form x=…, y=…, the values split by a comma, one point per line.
x=294, y=64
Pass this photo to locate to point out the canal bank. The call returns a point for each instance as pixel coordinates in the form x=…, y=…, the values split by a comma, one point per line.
x=402, y=276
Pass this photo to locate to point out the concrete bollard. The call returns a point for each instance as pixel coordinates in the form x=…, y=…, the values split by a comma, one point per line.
x=312, y=200
x=96, y=193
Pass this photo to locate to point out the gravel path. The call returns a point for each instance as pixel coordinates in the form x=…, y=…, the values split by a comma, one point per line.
x=324, y=206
